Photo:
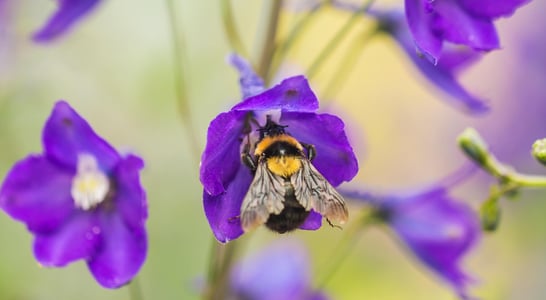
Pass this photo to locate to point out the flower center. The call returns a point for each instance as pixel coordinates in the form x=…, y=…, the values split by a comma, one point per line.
x=90, y=185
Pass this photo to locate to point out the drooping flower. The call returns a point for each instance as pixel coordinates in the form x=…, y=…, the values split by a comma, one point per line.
x=443, y=74
x=462, y=22
x=68, y=13
x=438, y=230
x=226, y=180
x=81, y=199
x=280, y=271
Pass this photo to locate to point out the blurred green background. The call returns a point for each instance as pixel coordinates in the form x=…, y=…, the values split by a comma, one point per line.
x=116, y=70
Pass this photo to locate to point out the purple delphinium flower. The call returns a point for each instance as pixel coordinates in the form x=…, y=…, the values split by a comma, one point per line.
x=68, y=13
x=438, y=230
x=462, y=22
x=444, y=73
x=81, y=199
x=226, y=180
x=281, y=271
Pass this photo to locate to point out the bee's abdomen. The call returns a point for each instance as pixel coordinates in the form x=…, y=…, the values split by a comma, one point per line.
x=291, y=217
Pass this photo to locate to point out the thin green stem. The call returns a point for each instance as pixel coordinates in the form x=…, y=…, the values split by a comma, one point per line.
x=343, y=249
x=230, y=28
x=528, y=180
x=335, y=41
x=347, y=64
x=221, y=261
x=135, y=291
x=267, y=35
x=180, y=66
x=298, y=30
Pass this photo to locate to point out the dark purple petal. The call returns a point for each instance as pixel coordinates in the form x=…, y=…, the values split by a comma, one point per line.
x=313, y=221
x=66, y=134
x=121, y=252
x=292, y=94
x=77, y=239
x=130, y=197
x=223, y=210
x=335, y=159
x=222, y=156
x=440, y=232
x=492, y=8
x=443, y=74
x=460, y=27
x=251, y=83
x=37, y=192
x=317, y=296
x=67, y=14
x=279, y=272
x=420, y=22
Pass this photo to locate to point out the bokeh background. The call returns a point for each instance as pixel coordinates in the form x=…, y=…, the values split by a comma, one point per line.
x=116, y=69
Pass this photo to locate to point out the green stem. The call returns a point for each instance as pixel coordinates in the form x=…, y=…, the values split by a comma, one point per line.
x=230, y=28
x=528, y=180
x=335, y=41
x=180, y=66
x=221, y=261
x=343, y=249
x=347, y=65
x=295, y=33
x=135, y=291
x=267, y=35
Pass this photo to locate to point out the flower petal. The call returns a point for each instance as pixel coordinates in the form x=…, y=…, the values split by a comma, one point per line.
x=335, y=159
x=37, y=192
x=78, y=238
x=121, y=253
x=313, y=221
x=223, y=210
x=292, y=94
x=66, y=134
x=68, y=13
x=460, y=27
x=251, y=83
x=492, y=8
x=420, y=22
x=279, y=272
x=440, y=232
x=130, y=197
x=222, y=158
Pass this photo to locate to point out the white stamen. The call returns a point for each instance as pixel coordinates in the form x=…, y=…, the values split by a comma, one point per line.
x=90, y=185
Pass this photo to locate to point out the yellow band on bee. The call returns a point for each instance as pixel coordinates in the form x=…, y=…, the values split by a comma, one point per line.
x=269, y=140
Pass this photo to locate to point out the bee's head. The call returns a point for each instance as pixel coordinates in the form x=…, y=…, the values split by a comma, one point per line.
x=271, y=128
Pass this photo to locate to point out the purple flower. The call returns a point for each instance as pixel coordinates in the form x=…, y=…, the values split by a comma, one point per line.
x=438, y=230
x=68, y=13
x=226, y=180
x=81, y=199
x=281, y=271
x=442, y=74
x=463, y=22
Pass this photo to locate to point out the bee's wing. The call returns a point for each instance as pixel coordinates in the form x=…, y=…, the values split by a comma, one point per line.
x=265, y=196
x=313, y=191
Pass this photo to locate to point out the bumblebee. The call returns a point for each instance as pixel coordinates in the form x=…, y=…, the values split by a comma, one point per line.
x=286, y=186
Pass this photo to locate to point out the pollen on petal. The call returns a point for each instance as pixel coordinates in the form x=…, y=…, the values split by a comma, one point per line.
x=90, y=185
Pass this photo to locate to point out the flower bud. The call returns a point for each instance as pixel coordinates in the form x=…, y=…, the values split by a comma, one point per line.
x=539, y=151
x=490, y=213
x=474, y=146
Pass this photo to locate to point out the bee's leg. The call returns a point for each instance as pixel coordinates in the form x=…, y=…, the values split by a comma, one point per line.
x=247, y=159
x=333, y=225
x=311, y=151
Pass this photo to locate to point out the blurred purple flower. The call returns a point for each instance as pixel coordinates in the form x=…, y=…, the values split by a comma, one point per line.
x=81, y=200
x=67, y=15
x=226, y=180
x=443, y=74
x=463, y=22
x=438, y=230
x=279, y=272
